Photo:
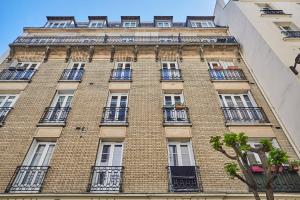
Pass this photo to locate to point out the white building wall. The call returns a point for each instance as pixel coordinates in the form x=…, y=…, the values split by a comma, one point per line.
x=268, y=56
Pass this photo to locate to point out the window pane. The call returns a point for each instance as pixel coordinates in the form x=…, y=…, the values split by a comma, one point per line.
x=105, y=155
x=185, y=155
x=117, y=155
x=37, y=155
x=173, y=155
x=48, y=155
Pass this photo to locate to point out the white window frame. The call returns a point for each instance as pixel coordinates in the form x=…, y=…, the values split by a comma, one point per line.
x=112, y=145
x=33, y=149
x=81, y=65
x=221, y=64
x=130, y=24
x=190, y=149
x=163, y=23
x=202, y=23
x=99, y=23
x=61, y=24
x=169, y=64
x=67, y=94
x=7, y=97
x=119, y=98
x=224, y=102
x=123, y=65
x=173, y=98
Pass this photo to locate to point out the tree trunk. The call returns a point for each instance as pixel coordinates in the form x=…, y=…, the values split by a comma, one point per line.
x=256, y=195
x=269, y=193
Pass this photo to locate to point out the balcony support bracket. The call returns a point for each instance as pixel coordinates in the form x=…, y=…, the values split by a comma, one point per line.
x=46, y=54
x=179, y=53
x=156, y=53
x=135, y=53
x=201, y=53
x=91, y=53
x=68, y=53
x=112, y=53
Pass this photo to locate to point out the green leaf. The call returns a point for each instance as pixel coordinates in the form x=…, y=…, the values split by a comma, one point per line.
x=231, y=169
x=277, y=157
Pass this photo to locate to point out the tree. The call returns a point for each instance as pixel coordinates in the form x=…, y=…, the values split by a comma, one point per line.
x=271, y=158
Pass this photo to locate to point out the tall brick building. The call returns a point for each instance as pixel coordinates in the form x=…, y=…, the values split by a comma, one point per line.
x=125, y=110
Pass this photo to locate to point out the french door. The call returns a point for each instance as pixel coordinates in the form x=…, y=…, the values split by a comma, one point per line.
x=240, y=107
x=60, y=107
x=35, y=166
x=171, y=112
x=180, y=154
x=170, y=70
x=107, y=175
x=117, y=105
x=76, y=71
x=123, y=70
x=6, y=102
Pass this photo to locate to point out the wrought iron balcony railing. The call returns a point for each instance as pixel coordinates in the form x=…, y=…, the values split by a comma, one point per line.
x=184, y=179
x=106, y=179
x=291, y=34
x=272, y=12
x=123, y=40
x=176, y=114
x=115, y=115
x=27, y=179
x=227, y=74
x=55, y=115
x=170, y=74
x=3, y=113
x=245, y=114
x=121, y=75
x=72, y=75
x=16, y=74
x=286, y=181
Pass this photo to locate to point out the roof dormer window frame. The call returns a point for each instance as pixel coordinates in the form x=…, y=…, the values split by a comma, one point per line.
x=129, y=23
x=163, y=24
x=202, y=23
x=97, y=23
x=59, y=24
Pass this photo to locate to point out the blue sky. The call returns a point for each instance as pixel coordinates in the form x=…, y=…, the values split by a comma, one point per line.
x=16, y=14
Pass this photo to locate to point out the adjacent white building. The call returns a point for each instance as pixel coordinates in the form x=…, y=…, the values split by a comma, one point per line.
x=269, y=34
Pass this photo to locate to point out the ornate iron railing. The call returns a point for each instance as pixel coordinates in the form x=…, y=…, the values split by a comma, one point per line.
x=170, y=74
x=72, y=74
x=122, y=40
x=176, y=114
x=245, y=114
x=16, y=74
x=184, y=179
x=27, y=179
x=227, y=74
x=121, y=75
x=291, y=34
x=106, y=179
x=286, y=181
x=115, y=115
x=272, y=12
x=55, y=115
x=3, y=113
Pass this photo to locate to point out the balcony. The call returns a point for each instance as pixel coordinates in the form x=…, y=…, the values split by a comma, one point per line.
x=13, y=74
x=272, y=12
x=184, y=179
x=291, y=34
x=227, y=74
x=106, y=179
x=286, y=181
x=176, y=115
x=123, y=40
x=55, y=116
x=121, y=75
x=3, y=114
x=72, y=75
x=27, y=179
x=171, y=75
x=244, y=115
x=114, y=116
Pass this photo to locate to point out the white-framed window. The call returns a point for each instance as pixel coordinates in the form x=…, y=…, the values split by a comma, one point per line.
x=117, y=100
x=129, y=24
x=163, y=24
x=26, y=65
x=63, y=99
x=58, y=24
x=237, y=100
x=123, y=65
x=96, y=24
x=169, y=65
x=220, y=64
x=253, y=158
x=110, y=154
x=39, y=154
x=180, y=154
x=173, y=99
x=202, y=23
x=8, y=100
x=77, y=65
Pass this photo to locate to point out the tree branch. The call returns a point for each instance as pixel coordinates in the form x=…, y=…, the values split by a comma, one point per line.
x=226, y=154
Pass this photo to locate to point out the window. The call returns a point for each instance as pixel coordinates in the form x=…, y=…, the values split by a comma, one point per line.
x=26, y=66
x=202, y=24
x=163, y=24
x=129, y=24
x=286, y=26
x=220, y=64
x=174, y=109
x=116, y=110
x=58, y=24
x=107, y=174
x=237, y=100
x=31, y=174
x=96, y=24
x=127, y=39
x=77, y=65
x=62, y=99
x=170, y=71
x=173, y=99
x=165, y=39
x=7, y=100
x=180, y=154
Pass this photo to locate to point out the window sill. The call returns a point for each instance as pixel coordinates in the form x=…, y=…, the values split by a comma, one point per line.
x=69, y=81
x=225, y=80
x=120, y=80
x=17, y=81
x=277, y=15
x=247, y=124
x=177, y=124
x=172, y=80
x=114, y=124
x=52, y=124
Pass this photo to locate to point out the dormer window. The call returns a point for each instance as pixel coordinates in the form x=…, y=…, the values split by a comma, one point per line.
x=129, y=24
x=163, y=24
x=96, y=24
x=202, y=23
x=58, y=24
